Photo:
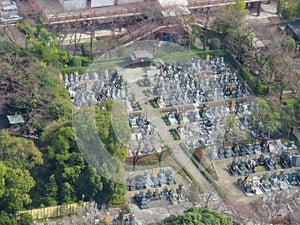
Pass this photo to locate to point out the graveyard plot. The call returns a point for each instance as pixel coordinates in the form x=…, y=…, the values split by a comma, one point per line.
x=271, y=182
x=92, y=88
x=265, y=162
x=194, y=81
x=156, y=178
x=145, y=140
x=155, y=188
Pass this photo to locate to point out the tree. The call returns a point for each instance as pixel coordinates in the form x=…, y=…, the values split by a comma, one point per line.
x=18, y=151
x=259, y=114
x=66, y=167
x=18, y=183
x=7, y=219
x=215, y=44
x=114, y=133
x=25, y=219
x=276, y=62
x=199, y=216
x=230, y=128
x=272, y=123
x=288, y=9
x=277, y=208
x=30, y=88
x=229, y=21
x=2, y=178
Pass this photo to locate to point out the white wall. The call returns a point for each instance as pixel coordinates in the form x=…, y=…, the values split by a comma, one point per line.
x=73, y=4
x=129, y=1
x=100, y=3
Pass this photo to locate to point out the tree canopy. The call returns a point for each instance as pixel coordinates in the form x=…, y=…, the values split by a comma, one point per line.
x=30, y=88
x=199, y=216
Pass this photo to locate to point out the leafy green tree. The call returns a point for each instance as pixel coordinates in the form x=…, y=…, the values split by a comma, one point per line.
x=18, y=151
x=289, y=44
x=31, y=88
x=67, y=177
x=288, y=9
x=215, y=44
x=64, y=160
x=272, y=123
x=260, y=112
x=113, y=128
x=89, y=184
x=2, y=178
x=43, y=43
x=18, y=183
x=230, y=128
x=199, y=216
x=229, y=21
x=102, y=134
x=7, y=219
x=25, y=219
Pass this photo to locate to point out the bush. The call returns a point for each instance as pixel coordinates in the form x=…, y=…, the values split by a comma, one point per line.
x=215, y=44
x=166, y=120
x=69, y=70
x=85, y=61
x=175, y=134
x=203, y=54
x=154, y=104
x=75, y=61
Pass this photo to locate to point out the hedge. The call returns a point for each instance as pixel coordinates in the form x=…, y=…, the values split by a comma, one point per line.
x=69, y=70
x=203, y=54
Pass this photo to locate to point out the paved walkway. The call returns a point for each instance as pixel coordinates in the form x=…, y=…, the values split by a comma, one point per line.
x=155, y=117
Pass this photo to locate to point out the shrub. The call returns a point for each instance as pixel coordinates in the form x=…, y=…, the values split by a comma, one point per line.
x=215, y=44
x=75, y=61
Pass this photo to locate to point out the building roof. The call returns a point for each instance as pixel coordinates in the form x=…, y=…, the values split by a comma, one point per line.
x=174, y=7
x=141, y=55
x=15, y=119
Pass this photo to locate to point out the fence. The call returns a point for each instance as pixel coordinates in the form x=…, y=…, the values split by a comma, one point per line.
x=54, y=211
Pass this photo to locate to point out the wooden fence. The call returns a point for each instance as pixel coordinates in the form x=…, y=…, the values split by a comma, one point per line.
x=54, y=211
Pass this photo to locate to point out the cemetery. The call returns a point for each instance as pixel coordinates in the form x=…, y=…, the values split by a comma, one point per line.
x=156, y=187
x=94, y=87
x=271, y=182
x=157, y=198
x=265, y=162
x=257, y=146
x=194, y=81
x=145, y=138
x=162, y=178
x=195, y=99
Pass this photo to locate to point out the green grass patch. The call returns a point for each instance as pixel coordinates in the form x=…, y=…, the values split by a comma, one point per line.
x=147, y=93
x=166, y=120
x=260, y=169
x=175, y=134
x=141, y=83
x=154, y=103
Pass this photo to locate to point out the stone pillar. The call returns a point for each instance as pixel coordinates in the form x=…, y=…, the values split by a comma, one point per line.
x=116, y=2
x=258, y=8
x=121, y=24
x=208, y=12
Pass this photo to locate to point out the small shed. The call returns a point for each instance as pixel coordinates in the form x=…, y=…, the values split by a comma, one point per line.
x=15, y=119
x=141, y=58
